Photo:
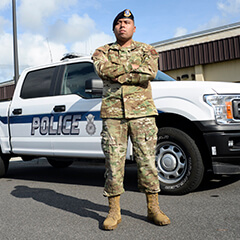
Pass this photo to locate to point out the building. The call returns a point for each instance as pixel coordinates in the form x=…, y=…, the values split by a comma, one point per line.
x=211, y=55
x=6, y=90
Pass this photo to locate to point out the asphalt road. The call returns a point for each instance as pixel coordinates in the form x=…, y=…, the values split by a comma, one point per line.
x=39, y=202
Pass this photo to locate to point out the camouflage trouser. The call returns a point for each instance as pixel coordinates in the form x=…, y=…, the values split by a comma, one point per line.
x=143, y=134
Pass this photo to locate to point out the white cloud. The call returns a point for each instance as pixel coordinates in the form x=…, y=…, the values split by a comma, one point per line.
x=212, y=23
x=4, y=23
x=34, y=50
x=180, y=31
x=6, y=57
x=33, y=14
x=75, y=29
x=4, y=4
x=229, y=7
x=52, y=20
x=6, y=43
x=93, y=42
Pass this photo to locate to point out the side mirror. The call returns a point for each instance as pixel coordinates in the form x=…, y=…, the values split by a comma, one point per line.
x=94, y=86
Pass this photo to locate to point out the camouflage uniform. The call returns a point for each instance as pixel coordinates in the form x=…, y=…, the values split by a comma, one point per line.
x=128, y=110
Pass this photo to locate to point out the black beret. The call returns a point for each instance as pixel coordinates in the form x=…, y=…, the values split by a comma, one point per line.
x=124, y=14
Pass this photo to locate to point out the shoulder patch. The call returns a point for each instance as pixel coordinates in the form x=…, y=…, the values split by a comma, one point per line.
x=153, y=52
x=96, y=53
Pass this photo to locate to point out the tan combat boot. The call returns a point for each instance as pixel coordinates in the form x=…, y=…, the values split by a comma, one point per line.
x=114, y=215
x=154, y=213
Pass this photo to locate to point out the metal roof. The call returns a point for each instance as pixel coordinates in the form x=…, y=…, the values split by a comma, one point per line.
x=197, y=34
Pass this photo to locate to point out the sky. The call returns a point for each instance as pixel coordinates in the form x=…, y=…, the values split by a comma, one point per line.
x=48, y=29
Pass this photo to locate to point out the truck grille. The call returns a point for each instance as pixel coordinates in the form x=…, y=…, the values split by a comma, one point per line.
x=236, y=109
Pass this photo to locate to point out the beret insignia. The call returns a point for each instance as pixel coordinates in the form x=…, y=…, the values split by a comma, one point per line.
x=127, y=13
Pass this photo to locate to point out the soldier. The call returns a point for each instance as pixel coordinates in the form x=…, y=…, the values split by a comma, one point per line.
x=126, y=68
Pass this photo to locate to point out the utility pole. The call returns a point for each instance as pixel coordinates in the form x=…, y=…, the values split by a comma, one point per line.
x=15, y=45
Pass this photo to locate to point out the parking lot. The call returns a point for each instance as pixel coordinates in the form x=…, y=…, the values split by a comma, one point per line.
x=40, y=202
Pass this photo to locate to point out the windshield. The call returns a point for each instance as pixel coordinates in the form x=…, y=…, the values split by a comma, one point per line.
x=163, y=77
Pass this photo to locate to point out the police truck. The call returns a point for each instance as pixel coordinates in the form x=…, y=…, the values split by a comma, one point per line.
x=55, y=113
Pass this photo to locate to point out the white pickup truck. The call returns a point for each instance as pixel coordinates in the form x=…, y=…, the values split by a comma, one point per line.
x=55, y=113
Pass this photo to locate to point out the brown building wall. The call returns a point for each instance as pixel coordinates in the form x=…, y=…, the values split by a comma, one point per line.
x=6, y=92
x=209, y=55
x=200, y=54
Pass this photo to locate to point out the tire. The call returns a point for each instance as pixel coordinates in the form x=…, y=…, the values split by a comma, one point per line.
x=4, y=163
x=59, y=164
x=179, y=162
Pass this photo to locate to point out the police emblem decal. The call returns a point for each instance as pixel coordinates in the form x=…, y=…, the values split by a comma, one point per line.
x=90, y=128
x=127, y=13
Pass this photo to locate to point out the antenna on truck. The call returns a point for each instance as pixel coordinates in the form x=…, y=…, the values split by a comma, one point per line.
x=49, y=49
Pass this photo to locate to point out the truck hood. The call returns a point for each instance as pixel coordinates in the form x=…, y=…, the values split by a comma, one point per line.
x=186, y=98
x=194, y=88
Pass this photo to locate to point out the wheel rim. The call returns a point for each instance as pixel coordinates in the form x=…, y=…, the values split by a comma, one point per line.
x=171, y=162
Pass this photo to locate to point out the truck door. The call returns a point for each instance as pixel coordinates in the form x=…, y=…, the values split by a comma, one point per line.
x=30, y=113
x=77, y=114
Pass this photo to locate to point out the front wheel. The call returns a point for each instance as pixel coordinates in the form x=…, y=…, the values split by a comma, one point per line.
x=179, y=162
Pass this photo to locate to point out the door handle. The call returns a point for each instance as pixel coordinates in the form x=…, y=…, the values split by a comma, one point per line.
x=17, y=111
x=60, y=108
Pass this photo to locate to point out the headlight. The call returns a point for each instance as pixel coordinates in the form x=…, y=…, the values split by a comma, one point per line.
x=223, y=107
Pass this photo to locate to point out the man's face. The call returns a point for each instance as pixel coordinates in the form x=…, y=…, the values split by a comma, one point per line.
x=124, y=29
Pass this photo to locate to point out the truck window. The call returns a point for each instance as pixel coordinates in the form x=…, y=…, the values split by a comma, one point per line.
x=37, y=83
x=75, y=77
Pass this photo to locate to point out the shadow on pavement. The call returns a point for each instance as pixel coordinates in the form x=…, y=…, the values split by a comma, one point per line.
x=218, y=181
x=78, y=174
x=81, y=207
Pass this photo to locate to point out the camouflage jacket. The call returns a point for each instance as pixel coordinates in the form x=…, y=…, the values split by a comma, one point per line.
x=131, y=95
